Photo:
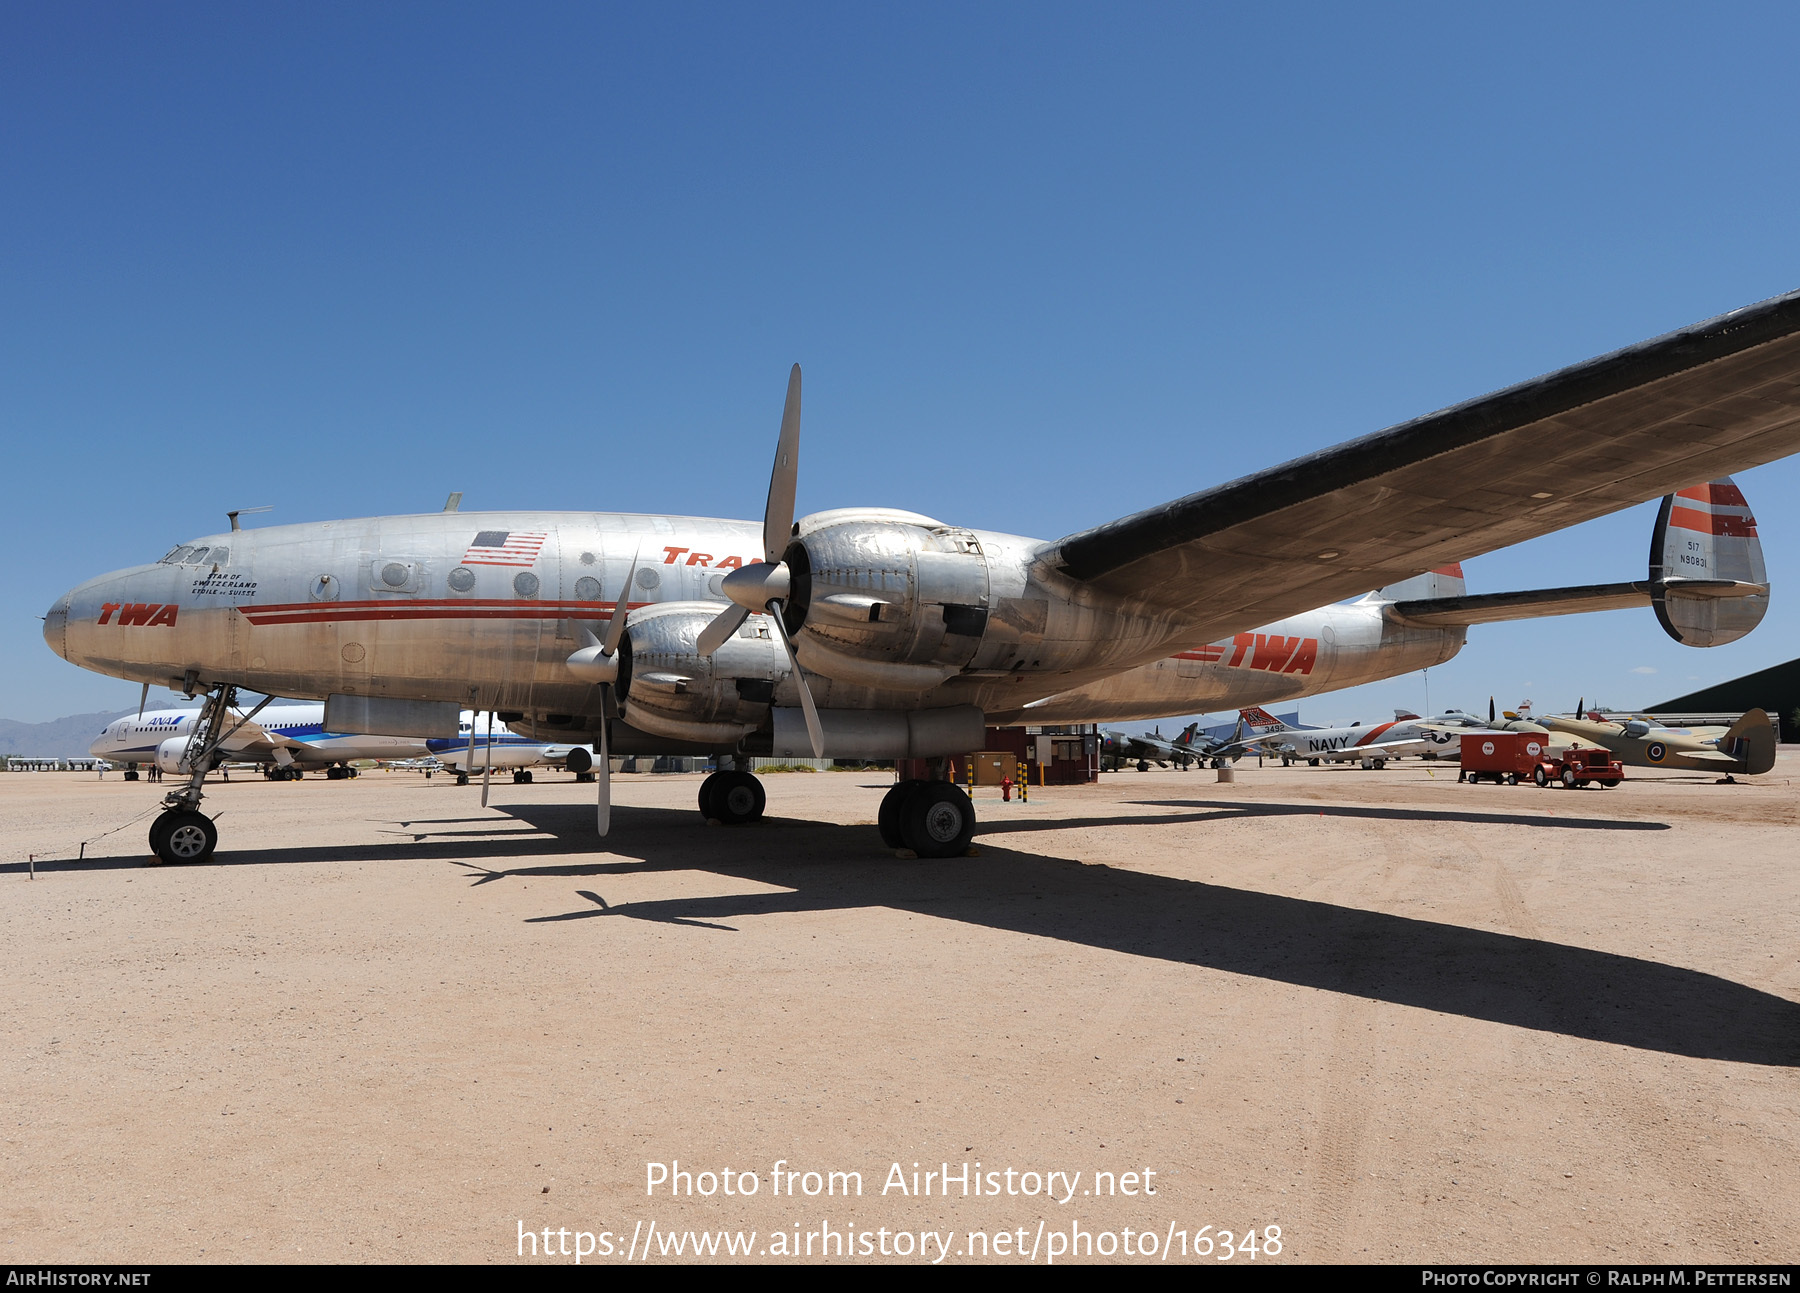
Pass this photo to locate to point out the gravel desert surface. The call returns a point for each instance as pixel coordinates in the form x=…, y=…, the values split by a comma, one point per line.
x=1378, y=1016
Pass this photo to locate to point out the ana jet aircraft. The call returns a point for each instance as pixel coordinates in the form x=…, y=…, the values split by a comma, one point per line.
x=290, y=738
x=869, y=633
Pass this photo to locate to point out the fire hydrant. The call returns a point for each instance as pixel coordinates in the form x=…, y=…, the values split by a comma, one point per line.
x=1005, y=789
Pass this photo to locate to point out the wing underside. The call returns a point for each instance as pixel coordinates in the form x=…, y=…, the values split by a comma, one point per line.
x=1690, y=406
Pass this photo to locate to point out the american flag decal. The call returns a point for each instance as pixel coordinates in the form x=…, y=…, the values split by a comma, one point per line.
x=504, y=548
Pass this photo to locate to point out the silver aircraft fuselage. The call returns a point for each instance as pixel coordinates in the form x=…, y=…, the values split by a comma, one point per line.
x=484, y=609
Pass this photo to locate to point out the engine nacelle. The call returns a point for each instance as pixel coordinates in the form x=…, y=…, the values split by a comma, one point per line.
x=886, y=599
x=169, y=755
x=672, y=690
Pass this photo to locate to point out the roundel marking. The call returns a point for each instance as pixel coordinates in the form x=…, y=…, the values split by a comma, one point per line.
x=1656, y=751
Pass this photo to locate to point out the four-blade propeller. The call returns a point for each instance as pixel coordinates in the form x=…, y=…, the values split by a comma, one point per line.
x=764, y=588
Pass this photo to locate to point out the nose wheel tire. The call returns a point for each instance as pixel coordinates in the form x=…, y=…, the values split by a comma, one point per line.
x=181, y=836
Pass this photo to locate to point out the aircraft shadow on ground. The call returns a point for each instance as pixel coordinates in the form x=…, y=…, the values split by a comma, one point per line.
x=1503, y=978
x=1478, y=974
x=1535, y=820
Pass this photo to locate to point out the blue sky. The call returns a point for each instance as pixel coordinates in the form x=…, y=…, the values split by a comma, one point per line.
x=1044, y=265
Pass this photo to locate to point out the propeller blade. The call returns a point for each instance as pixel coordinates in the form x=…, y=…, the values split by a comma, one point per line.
x=723, y=625
x=778, y=514
x=1580, y=712
x=813, y=728
x=487, y=769
x=615, y=627
x=604, y=808
x=1490, y=711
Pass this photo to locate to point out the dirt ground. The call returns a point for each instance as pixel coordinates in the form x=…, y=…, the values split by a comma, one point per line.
x=1393, y=1017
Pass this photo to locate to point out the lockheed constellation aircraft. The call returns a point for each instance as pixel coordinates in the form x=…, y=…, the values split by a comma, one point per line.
x=869, y=633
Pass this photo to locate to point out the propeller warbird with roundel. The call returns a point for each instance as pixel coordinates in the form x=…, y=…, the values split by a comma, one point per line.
x=873, y=633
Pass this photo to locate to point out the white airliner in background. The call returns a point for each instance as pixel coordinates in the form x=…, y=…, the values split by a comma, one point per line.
x=297, y=731
x=291, y=738
x=482, y=743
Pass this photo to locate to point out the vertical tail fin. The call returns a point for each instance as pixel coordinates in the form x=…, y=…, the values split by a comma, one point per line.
x=1259, y=719
x=1752, y=739
x=1709, y=585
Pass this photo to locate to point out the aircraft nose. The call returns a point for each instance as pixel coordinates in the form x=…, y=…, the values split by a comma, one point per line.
x=56, y=627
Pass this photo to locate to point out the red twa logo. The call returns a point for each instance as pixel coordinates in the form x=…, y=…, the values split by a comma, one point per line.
x=145, y=613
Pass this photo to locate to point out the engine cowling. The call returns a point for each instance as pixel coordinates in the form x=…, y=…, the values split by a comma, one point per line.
x=672, y=690
x=886, y=599
x=170, y=753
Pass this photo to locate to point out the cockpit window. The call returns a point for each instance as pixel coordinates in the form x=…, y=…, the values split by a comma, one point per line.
x=197, y=554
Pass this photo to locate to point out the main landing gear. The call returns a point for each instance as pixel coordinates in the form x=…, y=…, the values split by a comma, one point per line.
x=932, y=818
x=732, y=798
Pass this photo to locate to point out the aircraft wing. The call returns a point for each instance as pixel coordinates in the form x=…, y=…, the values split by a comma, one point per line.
x=1711, y=756
x=1641, y=422
x=251, y=738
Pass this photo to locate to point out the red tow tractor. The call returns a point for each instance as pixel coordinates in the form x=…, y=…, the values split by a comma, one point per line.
x=1506, y=758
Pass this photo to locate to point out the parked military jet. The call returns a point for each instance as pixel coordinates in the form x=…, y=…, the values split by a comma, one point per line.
x=1372, y=746
x=1153, y=747
x=870, y=633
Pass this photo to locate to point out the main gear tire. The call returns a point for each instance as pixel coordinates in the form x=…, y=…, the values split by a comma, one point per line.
x=893, y=804
x=737, y=798
x=937, y=820
x=708, y=789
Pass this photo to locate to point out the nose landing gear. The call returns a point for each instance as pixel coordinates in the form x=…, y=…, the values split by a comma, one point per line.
x=182, y=833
